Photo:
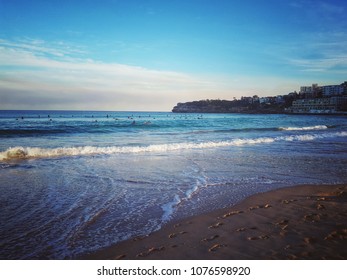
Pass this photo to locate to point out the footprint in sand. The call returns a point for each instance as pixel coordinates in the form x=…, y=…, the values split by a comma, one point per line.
x=216, y=247
x=312, y=218
x=260, y=207
x=217, y=225
x=210, y=238
x=251, y=238
x=120, y=257
x=231, y=214
x=320, y=207
x=153, y=249
x=263, y=237
x=173, y=235
x=142, y=255
x=341, y=193
x=283, y=223
x=337, y=234
x=150, y=251
x=285, y=201
x=284, y=227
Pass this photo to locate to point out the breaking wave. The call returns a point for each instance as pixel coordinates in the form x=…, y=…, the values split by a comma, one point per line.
x=33, y=152
x=316, y=127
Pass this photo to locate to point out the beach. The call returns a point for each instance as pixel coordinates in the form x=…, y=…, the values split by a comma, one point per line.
x=76, y=182
x=301, y=222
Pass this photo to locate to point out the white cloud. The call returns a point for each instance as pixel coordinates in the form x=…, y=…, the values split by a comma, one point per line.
x=42, y=48
x=53, y=74
x=336, y=64
x=314, y=52
x=32, y=76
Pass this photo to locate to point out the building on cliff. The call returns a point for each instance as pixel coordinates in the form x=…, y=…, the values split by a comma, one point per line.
x=319, y=105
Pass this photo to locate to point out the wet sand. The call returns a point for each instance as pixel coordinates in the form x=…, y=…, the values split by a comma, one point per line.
x=301, y=222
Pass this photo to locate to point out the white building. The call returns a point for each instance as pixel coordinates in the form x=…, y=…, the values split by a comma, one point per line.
x=319, y=105
x=332, y=90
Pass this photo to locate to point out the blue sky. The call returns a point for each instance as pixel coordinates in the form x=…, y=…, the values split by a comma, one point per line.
x=151, y=54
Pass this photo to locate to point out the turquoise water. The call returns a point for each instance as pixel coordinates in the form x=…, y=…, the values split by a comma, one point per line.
x=73, y=182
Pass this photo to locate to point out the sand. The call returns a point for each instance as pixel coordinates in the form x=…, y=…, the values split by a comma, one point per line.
x=302, y=222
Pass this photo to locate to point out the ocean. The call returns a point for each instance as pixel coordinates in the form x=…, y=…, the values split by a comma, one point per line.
x=72, y=182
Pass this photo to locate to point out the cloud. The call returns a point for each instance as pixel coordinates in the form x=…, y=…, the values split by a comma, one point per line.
x=51, y=75
x=42, y=48
x=33, y=76
x=335, y=64
x=319, y=52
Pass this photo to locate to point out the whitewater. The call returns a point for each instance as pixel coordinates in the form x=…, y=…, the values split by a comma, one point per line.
x=72, y=182
x=30, y=152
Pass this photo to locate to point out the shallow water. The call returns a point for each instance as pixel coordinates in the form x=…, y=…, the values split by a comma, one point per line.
x=73, y=182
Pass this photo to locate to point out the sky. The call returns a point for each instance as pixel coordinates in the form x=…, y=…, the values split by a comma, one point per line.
x=149, y=55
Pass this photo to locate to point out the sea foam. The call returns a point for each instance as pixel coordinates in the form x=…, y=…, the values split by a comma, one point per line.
x=316, y=127
x=33, y=152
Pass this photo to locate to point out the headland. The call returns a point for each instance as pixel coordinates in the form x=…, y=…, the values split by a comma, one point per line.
x=330, y=99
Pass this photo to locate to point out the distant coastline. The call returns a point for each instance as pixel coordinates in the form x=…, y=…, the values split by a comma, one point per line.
x=316, y=100
x=226, y=106
x=241, y=107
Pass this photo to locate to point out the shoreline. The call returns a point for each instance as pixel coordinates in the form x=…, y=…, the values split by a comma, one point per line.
x=339, y=113
x=299, y=222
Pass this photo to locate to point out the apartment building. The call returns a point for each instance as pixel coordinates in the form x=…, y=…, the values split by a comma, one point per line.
x=320, y=105
x=332, y=90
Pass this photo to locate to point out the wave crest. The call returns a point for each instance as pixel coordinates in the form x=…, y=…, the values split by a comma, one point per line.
x=32, y=152
x=316, y=127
